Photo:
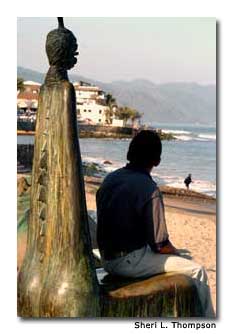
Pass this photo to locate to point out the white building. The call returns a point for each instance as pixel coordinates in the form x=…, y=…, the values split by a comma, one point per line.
x=92, y=112
x=90, y=103
x=117, y=122
x=86, y=92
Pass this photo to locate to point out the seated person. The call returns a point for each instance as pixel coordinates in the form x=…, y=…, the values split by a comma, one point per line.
x=131, y=229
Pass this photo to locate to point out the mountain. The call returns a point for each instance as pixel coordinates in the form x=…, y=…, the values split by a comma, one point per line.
x=162, y=103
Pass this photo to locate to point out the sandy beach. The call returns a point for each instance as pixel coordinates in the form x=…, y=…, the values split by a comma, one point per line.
x=196, y=233
x=191, y=224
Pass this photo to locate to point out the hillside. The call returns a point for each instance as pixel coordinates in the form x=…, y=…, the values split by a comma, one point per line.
x=171, y=102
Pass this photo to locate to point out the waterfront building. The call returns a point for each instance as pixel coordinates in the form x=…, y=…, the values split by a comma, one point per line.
x=27, y=101
x=91, y=103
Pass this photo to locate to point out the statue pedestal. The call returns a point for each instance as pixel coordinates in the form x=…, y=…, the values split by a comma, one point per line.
x=165, y=295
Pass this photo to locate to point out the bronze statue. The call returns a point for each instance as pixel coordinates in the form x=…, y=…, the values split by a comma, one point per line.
x=57, y=278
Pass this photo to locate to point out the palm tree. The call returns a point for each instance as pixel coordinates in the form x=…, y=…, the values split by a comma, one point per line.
x=124, y=113
x=110, y=101
x=136, y=115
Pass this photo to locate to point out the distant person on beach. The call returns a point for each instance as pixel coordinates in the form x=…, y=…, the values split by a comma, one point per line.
x=188, y=180
x=131, y=229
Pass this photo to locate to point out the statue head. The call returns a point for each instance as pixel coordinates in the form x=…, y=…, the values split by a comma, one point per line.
x=61, y=47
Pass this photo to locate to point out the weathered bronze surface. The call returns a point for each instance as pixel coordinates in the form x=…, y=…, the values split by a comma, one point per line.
x=57, y=278
x=165, y=295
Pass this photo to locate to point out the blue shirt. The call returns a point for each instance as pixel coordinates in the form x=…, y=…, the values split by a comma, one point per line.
x=130, y=212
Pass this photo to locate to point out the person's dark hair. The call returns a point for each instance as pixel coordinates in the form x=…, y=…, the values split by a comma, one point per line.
x=145, y=149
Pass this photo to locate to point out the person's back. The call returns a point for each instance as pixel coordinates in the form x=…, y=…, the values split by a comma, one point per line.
x=120, y=202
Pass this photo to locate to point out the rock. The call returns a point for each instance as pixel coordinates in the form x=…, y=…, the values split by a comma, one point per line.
x=107, y=162
x=22, y=186
x=91, y=169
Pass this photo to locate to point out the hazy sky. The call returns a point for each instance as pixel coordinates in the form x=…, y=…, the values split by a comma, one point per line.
x=157, y=49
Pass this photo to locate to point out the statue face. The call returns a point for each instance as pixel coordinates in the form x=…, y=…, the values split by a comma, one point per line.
x=61, y=48
x=71, y=60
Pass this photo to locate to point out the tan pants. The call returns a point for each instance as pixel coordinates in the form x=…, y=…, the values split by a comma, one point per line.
x=144, y=263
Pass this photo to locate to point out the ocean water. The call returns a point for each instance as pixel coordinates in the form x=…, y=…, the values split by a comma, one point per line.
x=193, y=151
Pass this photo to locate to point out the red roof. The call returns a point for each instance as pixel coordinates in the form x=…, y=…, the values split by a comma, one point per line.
x=28, y=96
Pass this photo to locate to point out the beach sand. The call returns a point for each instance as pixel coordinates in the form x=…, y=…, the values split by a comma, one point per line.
x=191, y=224
x=194, y=232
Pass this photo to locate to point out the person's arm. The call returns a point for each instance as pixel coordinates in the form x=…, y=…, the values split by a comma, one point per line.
x=156, y=228
x=169, y=249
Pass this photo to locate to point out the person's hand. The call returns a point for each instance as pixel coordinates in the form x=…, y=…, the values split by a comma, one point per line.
x=169, y=249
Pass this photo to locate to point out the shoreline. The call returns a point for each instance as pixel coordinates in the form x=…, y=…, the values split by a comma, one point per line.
x=99, y=170
x=105, y=134
x=168, y=191
x=172, y=192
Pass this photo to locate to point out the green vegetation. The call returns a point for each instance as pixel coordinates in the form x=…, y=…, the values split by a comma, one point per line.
x=165, y=136
x=126, y=113
x=111, y=102
x=103, y=134
x=20, y=84
x=90, y=169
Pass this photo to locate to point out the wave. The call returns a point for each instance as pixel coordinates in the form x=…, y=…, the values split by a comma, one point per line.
x=200, y=137
x=105, y=168
x=207, y=136
x=188, y=138
x=184, y=135
x=91, y=159
x=176, y=131
x=184, y=138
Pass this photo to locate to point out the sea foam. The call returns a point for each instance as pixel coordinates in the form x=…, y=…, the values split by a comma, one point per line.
x=207, y=136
